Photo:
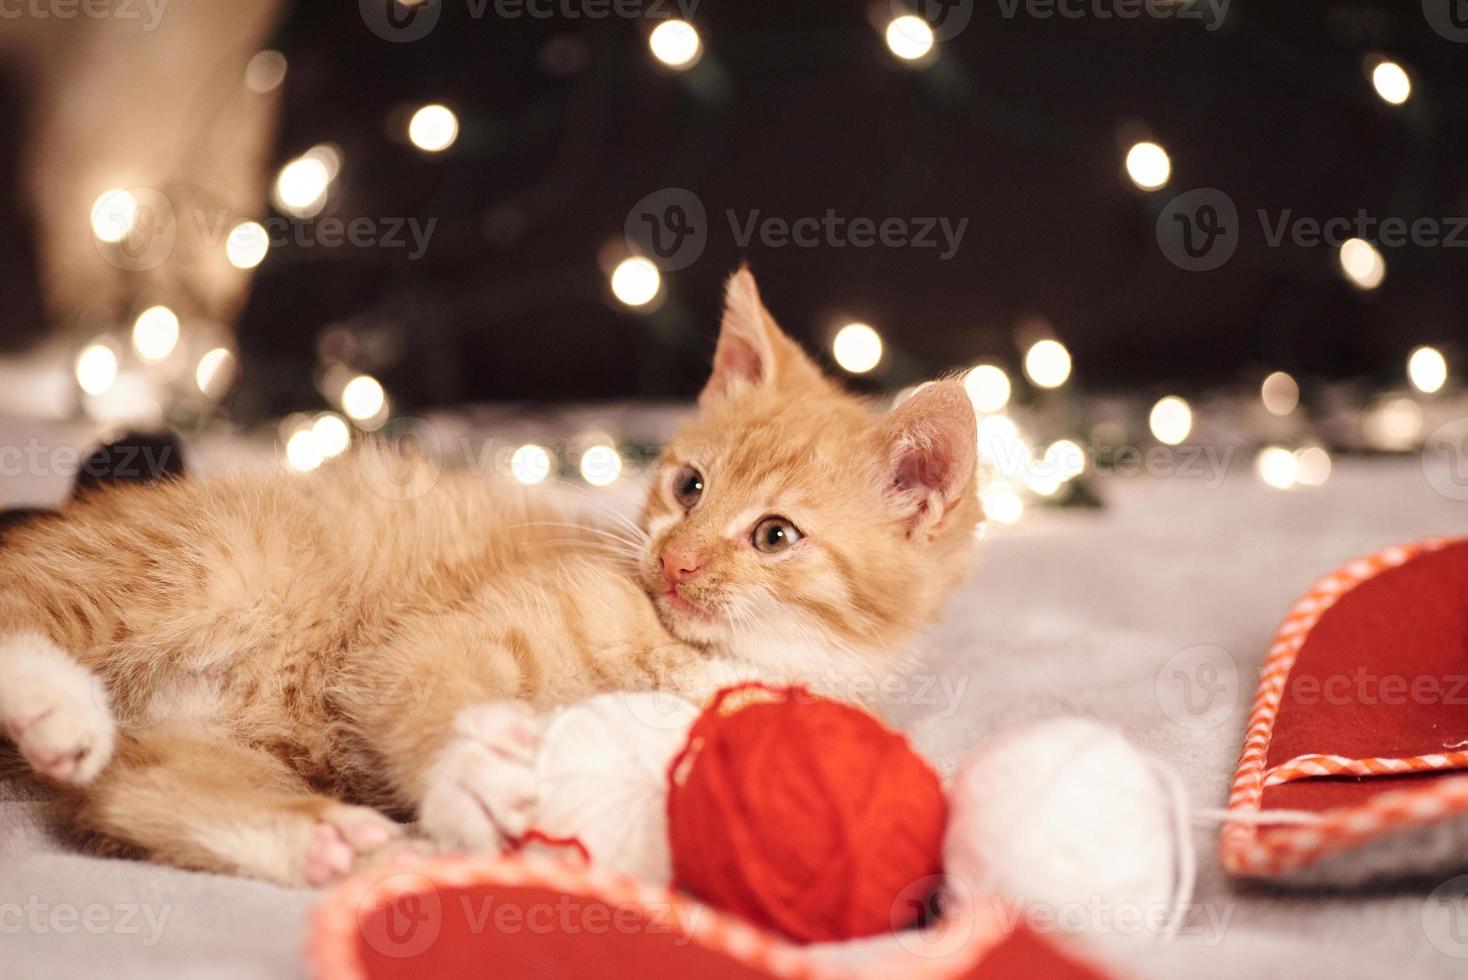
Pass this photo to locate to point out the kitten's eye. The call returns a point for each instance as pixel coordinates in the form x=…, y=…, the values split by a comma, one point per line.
x=775, y=534
x=687, y=486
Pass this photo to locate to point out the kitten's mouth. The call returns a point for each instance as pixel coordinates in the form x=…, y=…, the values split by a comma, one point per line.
x=674, y=599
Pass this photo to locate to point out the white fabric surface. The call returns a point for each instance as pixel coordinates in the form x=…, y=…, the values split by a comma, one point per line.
x=1072, y=612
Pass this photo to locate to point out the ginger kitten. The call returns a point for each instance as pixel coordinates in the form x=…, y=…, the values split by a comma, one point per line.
x=237, y=674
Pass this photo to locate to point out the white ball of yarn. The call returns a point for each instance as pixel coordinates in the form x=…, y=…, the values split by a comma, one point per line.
x=602, y=778
x=1066, y=817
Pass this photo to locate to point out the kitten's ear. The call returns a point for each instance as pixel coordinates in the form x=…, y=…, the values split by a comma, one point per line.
x=752, y=350
x=932, y=454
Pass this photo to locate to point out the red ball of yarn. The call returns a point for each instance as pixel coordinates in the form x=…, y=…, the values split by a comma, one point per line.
x=804, y=815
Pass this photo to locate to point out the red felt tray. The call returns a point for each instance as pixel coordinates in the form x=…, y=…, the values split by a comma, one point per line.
x=528, y=916
x=1361, y=714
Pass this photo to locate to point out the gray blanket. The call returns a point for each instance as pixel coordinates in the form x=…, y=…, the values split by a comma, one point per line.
x=1072, y=613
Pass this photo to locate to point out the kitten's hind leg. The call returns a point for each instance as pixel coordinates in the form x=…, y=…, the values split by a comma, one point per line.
x=210, y=804
x=54, y=709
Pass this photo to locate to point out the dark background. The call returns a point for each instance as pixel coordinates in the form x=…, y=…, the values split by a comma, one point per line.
x=1021, y=126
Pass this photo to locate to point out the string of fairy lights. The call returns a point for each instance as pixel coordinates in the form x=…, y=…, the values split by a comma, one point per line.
x=1019, y=472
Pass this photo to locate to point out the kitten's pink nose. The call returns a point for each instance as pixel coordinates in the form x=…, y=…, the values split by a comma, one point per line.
x=680, y=564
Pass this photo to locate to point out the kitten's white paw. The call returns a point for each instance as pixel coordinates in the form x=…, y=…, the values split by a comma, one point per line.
x=54, y=709
x=481, y=789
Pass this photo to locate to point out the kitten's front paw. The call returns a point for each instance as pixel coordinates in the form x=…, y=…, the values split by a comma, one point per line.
x=54, y=709
x=481, y=790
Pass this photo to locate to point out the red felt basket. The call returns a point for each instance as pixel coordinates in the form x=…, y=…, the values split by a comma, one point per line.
x=1361, y=722
x=530, y=916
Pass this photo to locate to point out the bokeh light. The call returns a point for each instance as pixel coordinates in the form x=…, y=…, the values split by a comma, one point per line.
x=1280, y=393
x=265, y=72
x=1065, y=458
x=113, y=215
x=433, y=128
x=1047, y=364
x=675, y=43
x=215, y=372
x=636, y=281
x=1391, y=82
x=1002, y=446
x=155, y=333
x=601, y=465
x=1002, y=504
x=1171, y=420
x=1393, y=424
x=531, y=464
x=300, y=188
x=1148, y=165
x=1312, y=465
x=1362, y=263
x=302, y=450
x=1277, y=467
x=333, y=435
x=909, y=37
x=1427, y=369
x=247, y=245
x=988, y=388
x=857, y=348
x=363, y=398
x=96, y=368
